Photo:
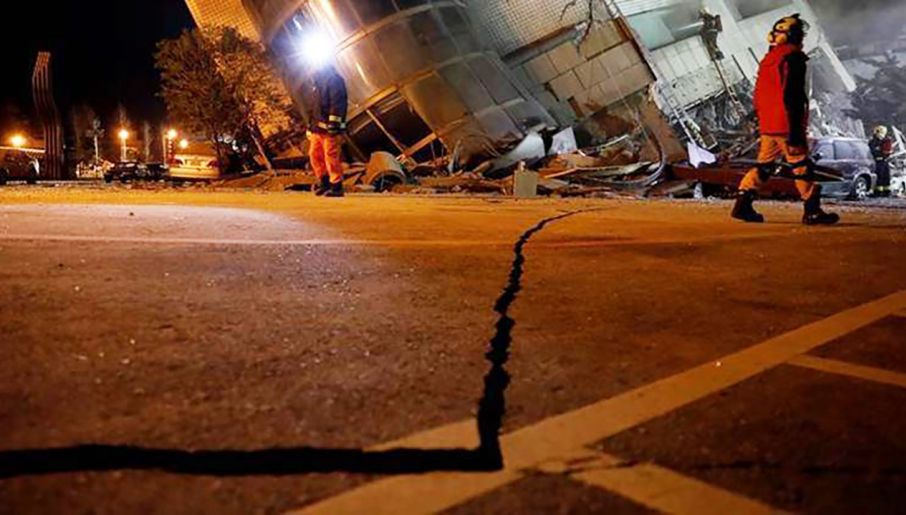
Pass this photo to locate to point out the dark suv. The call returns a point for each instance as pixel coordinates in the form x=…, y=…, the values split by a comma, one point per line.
x=18, y=165
x=852, y=158
x=132, y=171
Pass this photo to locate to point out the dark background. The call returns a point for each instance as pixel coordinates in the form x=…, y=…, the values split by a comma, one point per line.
x=103, y=49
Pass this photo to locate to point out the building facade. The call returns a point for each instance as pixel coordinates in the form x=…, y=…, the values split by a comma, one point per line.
x=420, y=81
x=426, y=76
x=227, y=13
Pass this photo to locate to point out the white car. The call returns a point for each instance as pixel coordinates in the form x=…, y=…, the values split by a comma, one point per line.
x=194, y=167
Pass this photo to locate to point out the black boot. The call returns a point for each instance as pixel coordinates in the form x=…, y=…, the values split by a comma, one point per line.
x=743, y=209
x=336, y=190
x=324, y=187
x=814, y=215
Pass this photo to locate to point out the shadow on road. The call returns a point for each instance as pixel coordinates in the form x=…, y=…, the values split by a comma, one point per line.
x=286, y=461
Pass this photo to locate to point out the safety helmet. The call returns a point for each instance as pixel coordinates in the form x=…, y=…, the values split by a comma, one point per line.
x=791, y=29
x=881, y=131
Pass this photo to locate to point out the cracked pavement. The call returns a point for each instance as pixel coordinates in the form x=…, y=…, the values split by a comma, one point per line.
x=211, y=320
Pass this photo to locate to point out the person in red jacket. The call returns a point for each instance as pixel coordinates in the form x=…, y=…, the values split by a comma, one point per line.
x=782, y=105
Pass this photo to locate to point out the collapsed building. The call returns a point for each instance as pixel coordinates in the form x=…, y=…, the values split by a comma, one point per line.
x=427, y=77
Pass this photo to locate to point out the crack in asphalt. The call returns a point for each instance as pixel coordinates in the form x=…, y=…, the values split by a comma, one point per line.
x=492, y=406
x=300, y=460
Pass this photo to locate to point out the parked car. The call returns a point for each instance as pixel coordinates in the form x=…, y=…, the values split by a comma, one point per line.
x=132, y=171
x=156, y=172
x=852, y=158
x=124, y=171
x=194, y=167
x=18, y=165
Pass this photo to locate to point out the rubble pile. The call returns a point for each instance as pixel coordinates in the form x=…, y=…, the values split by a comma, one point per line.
x=533, y=167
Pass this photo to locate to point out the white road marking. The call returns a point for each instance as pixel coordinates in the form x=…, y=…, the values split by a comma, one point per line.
x=656, y=487
x=843, y=368
x=564, y=435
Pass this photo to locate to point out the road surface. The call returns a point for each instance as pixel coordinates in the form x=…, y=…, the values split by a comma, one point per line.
x=217, y=352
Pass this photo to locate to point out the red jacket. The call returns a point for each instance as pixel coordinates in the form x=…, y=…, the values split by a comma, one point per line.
x=781, y=100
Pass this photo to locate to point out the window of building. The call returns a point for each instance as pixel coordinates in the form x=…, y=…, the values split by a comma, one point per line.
x=400, y=50
x=373, y=11
x=456, y=23
x=341, y=18
x=663, y=27
x=468, y=86
x=368, y=138
x=400, y=120
x=431, y=36
x=391, y=125
x=434, y=98
x=494, y=79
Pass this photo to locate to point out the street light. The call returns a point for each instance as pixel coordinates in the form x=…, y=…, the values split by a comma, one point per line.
x=183, y=143
x=17, y=140
x=169, y=151
x=124, y=136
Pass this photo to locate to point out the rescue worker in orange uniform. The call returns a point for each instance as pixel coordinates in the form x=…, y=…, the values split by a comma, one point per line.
x=327, y=104
x=782, y=105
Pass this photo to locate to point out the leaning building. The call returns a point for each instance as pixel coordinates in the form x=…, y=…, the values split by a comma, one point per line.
x=425, y=76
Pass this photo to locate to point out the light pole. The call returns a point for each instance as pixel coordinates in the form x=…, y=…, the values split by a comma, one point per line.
x=171, y=136
x=124, y=136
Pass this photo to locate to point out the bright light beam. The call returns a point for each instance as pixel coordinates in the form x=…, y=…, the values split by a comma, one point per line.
x=318, y=48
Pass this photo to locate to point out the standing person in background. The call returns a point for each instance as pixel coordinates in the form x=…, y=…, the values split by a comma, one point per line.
x=881, y=149
x=327, y=104
x=782, y=104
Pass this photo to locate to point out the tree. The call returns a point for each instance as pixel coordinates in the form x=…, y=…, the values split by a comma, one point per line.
x=84, y=123
x=879, y=100
x=220, y=84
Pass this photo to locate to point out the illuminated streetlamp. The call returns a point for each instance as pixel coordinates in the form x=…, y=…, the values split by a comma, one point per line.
x=170, y=137
x=124, y=136
x=183, y=144
x=17, y=140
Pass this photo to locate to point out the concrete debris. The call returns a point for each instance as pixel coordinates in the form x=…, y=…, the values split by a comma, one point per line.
x=538, y=165
x=564, y=142
x=530, y=150
x=525, y=182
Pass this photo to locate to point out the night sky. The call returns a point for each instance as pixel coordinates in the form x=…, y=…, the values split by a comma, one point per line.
x=102, y=50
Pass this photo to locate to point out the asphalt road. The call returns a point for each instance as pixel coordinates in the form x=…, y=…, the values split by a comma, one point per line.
x=216, y=352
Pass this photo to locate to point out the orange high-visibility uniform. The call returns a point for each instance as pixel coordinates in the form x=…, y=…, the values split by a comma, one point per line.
x=781, y=102
x=772, y=148
x=325, y=154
